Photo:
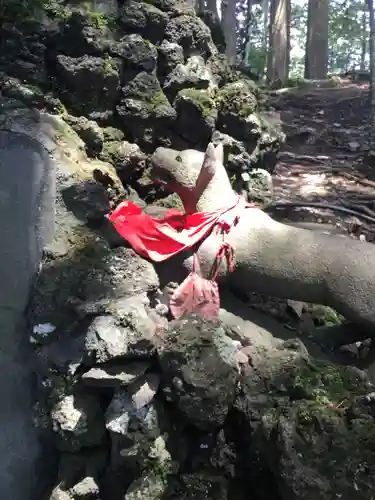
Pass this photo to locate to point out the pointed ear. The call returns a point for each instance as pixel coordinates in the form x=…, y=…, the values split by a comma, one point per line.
x=219, y=153
x=209, y=160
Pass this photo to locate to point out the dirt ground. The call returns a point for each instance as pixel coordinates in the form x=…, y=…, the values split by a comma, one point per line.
x=327, y=133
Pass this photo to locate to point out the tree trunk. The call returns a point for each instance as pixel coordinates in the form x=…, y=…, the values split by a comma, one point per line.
x=364, y=40
x=229, y=23
x=372, y=68
x=316, y=58
x=246, y=57
x=278, y=55
x=199, y=6
x=266, y=12
x=212, y=6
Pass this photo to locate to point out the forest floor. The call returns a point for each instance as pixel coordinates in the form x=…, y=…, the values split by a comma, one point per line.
x=327, y=132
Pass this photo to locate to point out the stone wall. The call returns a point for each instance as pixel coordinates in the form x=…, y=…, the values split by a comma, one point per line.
x=149, y=70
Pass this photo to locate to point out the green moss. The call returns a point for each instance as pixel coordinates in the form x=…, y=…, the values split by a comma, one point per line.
x=157, y=99
x=237, y=98
x=111, y=153
x=107, y=65
x=55, y=9
x=61, y=109
x=324, y=315
x=161, y=469
x=353, y=443
x=171, y=201
x=324, y=384
x=101, y=20
x=201, y=99
x=25, y=10
x=113, y=134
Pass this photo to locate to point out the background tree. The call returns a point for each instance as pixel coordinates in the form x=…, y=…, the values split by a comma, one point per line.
x=316, y=58
x=279, y=48
x=371, y=12
x=212, y=6
x=348, y=35
x=229, y=23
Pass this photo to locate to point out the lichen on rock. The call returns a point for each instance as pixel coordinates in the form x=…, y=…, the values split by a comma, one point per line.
x=199, y=365
x=236, y=102
x=143, y=18
x=89, y=84
x=196, y=115
x=143, y=108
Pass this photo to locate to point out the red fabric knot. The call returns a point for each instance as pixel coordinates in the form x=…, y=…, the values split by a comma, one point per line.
x=226, y=250
x=229, y=219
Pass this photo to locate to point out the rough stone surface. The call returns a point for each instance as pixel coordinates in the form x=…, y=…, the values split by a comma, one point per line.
x=194, y=74
x=77, y=422
x=196, y=115
x=143, y=18
x=136, y=52
x=199, y=364
x=90, y=83
x=114, y=375
x=89, y=131
x=191, y=34
x=127, y=335
x=144, y=109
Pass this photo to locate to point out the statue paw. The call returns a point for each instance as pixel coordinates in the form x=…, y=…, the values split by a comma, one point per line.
x=171, y=288
x=163, y=306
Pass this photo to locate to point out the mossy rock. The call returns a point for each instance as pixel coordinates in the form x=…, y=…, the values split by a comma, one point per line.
x=111, y=153
x=144, y=19
x=123, y=156
x=89, y=131
x=201, y=99
x=171, y=201
x=324, y=315
x=196, y=116
x=237, y=99
x=28, y=94
x=97, y=18
x=324, y=432
x=146, y=90
x=144, y=110
x=323, y=384
x=236, y=103
x=113, y=134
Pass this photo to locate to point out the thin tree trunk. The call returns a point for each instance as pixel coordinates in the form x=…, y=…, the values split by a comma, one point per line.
x=266, y=12
x=278, y=55
x=212, y=6
x=199, y=6
x=370, y=4
x=316, y=57
x=246, y=58
x=363, y=43
x=229, y=23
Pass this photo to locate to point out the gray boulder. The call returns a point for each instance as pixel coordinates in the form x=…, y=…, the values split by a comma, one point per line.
x=200, y=370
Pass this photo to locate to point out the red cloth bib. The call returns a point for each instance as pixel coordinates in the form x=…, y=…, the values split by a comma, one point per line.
x=161, y=239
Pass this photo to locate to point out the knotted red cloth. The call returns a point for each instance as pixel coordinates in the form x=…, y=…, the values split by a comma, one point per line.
x=161, y=239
